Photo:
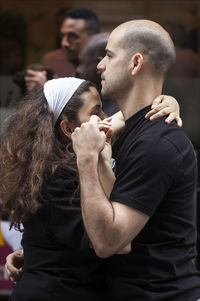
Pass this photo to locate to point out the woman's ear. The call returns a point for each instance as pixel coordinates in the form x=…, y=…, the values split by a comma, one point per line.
x=137, y=61
x=67, y=128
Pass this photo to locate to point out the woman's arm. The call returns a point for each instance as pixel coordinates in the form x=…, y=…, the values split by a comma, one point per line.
x=165, y=105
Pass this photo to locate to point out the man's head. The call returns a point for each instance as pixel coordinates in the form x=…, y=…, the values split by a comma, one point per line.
x=91, y=53
x=133, y=49
x=78, y=24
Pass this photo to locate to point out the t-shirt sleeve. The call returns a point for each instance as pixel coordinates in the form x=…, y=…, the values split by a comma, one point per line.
x=65, y=219
x=144, y=174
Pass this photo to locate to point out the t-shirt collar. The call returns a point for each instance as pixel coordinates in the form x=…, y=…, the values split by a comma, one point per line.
x=133, y=120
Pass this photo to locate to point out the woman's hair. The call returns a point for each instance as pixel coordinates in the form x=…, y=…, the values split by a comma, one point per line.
x=30, y=148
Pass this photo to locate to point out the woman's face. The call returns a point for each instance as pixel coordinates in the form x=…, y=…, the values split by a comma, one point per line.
x=91, y=106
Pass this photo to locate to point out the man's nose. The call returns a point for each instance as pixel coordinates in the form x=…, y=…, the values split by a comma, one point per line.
x=101, y=65
x=65, y=42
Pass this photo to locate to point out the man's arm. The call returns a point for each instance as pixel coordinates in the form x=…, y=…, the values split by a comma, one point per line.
x=110, y=225
x=107, y=177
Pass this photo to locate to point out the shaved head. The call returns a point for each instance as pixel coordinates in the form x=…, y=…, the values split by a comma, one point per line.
x=150, y=39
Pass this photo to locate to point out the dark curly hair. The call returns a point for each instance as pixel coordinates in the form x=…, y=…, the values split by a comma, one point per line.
x=30, y=147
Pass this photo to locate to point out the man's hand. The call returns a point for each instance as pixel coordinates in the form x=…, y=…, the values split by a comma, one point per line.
x=14, y=264
x=165, y=105
x=88, y=139
x=35, y=79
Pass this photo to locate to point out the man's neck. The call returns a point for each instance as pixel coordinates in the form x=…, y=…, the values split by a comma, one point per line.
x=140, y=96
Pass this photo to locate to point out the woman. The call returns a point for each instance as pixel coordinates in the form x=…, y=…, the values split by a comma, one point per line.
x=40, y=190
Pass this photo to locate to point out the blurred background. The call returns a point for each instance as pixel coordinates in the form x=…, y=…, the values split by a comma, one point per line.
x=29, y=29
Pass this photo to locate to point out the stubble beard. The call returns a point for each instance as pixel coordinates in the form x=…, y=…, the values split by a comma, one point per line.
x=106, y=91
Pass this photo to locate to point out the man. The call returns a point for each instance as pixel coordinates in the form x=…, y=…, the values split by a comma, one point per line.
x=91, y=53
x=78, y=24
x=151, y=204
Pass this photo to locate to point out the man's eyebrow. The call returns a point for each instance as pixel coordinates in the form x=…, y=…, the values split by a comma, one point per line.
x=107, y=50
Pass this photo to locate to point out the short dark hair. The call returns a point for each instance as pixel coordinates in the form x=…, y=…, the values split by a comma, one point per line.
x=158, y=48
x=90, y=18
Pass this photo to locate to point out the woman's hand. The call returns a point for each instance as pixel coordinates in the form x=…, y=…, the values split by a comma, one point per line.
x=106, y=154
x=14, y=264
x=165, y=105
x=117, y=123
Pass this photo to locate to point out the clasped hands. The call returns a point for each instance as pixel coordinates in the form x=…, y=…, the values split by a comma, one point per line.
x=93, y=137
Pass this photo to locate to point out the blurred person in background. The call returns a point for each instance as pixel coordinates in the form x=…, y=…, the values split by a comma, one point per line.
x=43, y=74
x=90, y=55
x=76, y=25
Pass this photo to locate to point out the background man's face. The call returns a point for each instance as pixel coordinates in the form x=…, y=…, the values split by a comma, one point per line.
x=73, y=35
x=87, y=67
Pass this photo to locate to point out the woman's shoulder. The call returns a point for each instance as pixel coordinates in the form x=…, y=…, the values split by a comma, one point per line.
x=59, y=175
x=62, y=184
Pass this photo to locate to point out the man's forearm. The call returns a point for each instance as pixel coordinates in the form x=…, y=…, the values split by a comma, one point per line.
x=97, y=210
x=106, y=175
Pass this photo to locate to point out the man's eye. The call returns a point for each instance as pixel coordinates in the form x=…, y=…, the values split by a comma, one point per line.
x=72, y=36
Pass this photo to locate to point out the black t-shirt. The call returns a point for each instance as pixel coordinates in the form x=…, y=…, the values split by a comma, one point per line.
x=156, y=174
x=109, y=107
x=59, y=263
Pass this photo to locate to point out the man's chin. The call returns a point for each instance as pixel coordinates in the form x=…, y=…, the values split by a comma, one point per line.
x=104, y=93
x=71, y=57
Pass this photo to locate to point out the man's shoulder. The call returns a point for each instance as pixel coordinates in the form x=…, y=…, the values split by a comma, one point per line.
x=53, y=53
x=155, y=139
x=168, y=138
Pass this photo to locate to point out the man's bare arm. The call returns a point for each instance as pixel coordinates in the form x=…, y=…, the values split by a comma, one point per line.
x=111, y=226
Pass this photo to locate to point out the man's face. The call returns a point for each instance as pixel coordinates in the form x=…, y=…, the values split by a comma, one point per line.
x=114, y=69
x=87, y=67
x=73, y=35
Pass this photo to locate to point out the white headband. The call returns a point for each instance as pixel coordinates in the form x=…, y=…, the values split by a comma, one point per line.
x=59, y=91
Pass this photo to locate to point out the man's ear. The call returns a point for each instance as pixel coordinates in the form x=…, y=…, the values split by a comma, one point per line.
x=67, y=128
x=137, y=61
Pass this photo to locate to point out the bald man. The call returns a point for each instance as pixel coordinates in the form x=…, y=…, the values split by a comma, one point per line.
x=151, y=205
